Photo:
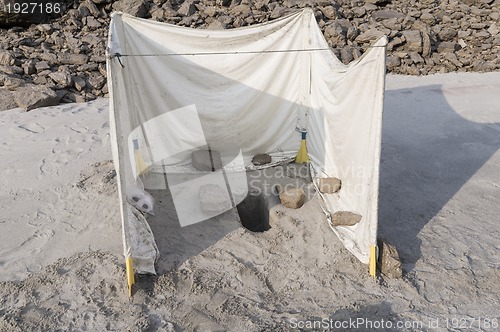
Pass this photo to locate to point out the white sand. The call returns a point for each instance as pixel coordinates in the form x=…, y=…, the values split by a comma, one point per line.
x=439, y=204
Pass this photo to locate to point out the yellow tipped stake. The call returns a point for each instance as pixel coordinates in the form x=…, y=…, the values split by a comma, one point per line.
x=130, y=274
x=140, y=164
x=373, y=261
x=302, y=156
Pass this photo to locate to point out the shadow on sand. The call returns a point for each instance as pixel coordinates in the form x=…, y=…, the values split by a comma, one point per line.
x=429, y=152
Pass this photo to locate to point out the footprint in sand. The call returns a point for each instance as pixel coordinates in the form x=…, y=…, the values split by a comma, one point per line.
x=32, y=127
x=33, y=244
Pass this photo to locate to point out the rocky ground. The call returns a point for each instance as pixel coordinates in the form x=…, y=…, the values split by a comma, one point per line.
x=46, y=60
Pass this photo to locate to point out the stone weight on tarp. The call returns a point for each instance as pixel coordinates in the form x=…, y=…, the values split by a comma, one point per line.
x=389, y=262
x=329, y=185
x=345, y=218
x=261, y=159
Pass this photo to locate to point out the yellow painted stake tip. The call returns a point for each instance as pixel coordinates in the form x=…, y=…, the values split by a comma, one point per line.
x=373, y=261
x=130, y=275
x=302, y=156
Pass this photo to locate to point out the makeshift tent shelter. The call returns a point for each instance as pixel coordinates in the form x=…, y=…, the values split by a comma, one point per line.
x=174, y=90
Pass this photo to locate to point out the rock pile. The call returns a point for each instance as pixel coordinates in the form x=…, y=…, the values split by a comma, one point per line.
x=67, y=55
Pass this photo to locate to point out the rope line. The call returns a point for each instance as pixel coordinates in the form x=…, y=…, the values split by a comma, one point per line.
x=118, y=55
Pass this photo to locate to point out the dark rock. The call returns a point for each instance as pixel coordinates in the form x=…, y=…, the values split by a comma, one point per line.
x=34, y=96
x=261, y=159
x=389, y=262
x=413, y=40
x=447, y=47
x=187, y=8
x=138, y=8
x=387, y=14
x=370, y=35
x=72, y=59
x=7, y=101
x=61, y=78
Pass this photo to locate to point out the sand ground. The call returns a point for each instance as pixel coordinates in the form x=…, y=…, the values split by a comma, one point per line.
x=60, y=239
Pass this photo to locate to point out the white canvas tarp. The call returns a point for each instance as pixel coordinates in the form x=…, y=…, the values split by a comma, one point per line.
x=249, y=90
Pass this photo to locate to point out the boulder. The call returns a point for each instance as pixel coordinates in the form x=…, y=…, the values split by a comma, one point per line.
x=345, y=218
x=292, y=198
x=413, y=40
x=7, y=58
x=389, y=262
x=138, y=8
x=33, y=96
x=7, y=101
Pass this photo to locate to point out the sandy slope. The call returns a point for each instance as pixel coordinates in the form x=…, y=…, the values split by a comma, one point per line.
x=439, y=203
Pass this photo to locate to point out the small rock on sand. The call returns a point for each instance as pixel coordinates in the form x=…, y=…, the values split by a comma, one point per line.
x=293, y=198
x=389, y=262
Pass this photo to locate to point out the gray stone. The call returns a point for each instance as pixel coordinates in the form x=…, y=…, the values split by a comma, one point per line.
x=389, y=262
x=34, y=96
x=204, y=160
x=447, y=34
x=448, y=47
x=335, y=34
x=138, y=8
x=214, y=199
x=96, y=81
x=387, y=13
x=329, y=12
x=29, y=67
x=292, y=198
x=261, y=159
x=11, y=70
x=346, y=55
x=88, y=8
x=370, y=35
x=187, y=8
x=345, y=218
x=329, y=185
x=61, y=78
x=41, y=66
x=79, y=83
x=72, y=59
x=413, y=40
x=7, y=101
x=7, y=58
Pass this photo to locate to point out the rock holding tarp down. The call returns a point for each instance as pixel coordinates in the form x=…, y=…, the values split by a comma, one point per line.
x=345, y=218
x=261, y=159
x=292, y=198
x=389, y=262
x=329, y=185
